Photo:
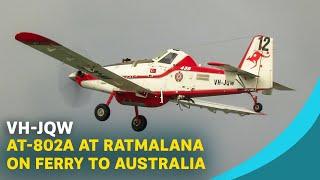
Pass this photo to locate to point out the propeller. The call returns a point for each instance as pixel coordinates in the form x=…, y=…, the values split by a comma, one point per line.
x=72, y=93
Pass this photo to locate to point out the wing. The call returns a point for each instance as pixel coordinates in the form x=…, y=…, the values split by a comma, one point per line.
x=213, y=107
x=77, y=61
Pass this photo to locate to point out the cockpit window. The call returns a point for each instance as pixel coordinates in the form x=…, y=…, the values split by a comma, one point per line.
x=168, y=58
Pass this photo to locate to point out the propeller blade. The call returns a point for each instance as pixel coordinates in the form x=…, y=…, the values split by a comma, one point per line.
x=72, y=94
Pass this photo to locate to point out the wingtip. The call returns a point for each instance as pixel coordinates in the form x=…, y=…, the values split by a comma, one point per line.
x=32, y=38
x=18, y=36
x=24, y=36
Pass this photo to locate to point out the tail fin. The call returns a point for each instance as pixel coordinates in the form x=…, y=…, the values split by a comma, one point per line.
x=258, y=60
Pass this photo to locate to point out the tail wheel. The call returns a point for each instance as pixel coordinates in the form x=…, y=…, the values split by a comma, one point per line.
x=257, y=107
x=102, y=112
x=139, y=123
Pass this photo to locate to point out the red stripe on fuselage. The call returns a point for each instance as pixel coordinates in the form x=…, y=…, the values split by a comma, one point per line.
x=187, y=61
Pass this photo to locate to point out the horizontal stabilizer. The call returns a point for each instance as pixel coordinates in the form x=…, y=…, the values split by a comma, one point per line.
x=281, y=87
x=233, y=69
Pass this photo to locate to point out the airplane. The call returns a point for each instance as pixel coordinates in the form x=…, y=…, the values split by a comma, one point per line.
x=173, y=76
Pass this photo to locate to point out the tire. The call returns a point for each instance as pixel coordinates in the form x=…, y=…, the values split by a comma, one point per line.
x=257, y=107
x=102, y=112
x=139, y=123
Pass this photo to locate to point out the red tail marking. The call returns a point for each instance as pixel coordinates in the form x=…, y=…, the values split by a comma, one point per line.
x=256, y=56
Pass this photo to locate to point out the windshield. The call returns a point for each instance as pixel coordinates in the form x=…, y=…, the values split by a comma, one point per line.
x=168, y=58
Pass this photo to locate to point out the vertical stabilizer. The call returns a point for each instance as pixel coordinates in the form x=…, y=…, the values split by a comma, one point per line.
x=258, y=60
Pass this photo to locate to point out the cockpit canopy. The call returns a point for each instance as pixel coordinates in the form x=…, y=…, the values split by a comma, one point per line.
x=168, y=58
x=171, y=56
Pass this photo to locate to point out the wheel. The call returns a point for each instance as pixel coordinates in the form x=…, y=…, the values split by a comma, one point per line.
x=257, y=107
x=102, y=112
x=139, y=123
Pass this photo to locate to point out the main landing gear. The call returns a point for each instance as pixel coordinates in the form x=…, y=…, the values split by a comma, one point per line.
x=257, y=107
x=139, y=122
x=102, y=113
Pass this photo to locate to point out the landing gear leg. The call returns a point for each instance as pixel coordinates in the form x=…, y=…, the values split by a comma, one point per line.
x=257, y=107
x=139, y=122
x=102, y=111
x=110, y=99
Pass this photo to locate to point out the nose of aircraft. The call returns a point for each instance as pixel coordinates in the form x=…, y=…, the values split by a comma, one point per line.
x=73, y=75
